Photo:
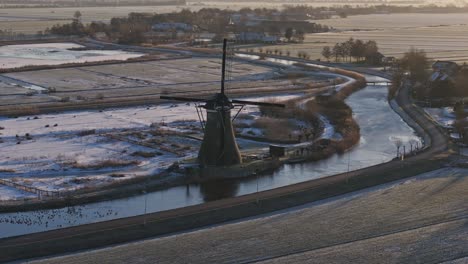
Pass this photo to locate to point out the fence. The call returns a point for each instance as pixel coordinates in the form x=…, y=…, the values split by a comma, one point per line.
x=40, y=193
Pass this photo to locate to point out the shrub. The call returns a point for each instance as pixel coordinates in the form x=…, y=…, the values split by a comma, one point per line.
x=81, y=97
x=87, y=132
x=65, y=99
x=116, y=175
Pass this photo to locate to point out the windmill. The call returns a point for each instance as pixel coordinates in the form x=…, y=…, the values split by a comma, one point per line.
x=219, y=147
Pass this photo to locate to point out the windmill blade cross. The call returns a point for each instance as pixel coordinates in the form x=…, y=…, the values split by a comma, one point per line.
x=258, y=103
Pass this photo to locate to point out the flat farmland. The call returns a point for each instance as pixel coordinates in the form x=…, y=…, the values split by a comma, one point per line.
x=443, y=37
x=7, y=88
x=396, y=21
x=29, y=26
x=143, y=81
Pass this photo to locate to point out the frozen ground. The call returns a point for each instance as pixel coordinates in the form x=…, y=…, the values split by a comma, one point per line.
x=15, y=56
x=146, y=80
x=54, y=152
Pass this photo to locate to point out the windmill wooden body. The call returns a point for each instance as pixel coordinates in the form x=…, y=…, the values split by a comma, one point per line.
x=219, y=147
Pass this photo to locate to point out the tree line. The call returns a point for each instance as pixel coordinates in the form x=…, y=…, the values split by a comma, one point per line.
x=131, y=29
x=353, y=50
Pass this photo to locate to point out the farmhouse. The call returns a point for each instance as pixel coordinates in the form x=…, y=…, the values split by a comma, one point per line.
x=444, y=71
x=442, y=80
x=447, y=67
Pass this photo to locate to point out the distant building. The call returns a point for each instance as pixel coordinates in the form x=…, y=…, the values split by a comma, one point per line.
x=442, y=80
x=271, y=39
x=389, y=60
x=251, y=37
x=439, y=76
x=169, y=26
x=444, y=71
x=446, y=67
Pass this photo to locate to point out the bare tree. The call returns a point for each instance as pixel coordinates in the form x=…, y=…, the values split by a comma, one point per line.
x=398, y=144
x=327, y=53
x=77, y=15
x=413, y=142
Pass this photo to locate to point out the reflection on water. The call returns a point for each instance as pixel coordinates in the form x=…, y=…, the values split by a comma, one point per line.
x=216, y=190
x=379, y=128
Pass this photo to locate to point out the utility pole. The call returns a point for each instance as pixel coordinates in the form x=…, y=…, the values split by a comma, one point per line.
x=144, y=216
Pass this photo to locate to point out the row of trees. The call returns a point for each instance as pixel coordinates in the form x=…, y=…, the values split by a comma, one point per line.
x=128, y=30
x=352, y=49
x=74, y=28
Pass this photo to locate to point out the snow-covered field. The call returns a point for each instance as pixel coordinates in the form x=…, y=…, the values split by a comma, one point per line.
x=15, y=56
x=50, y=151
